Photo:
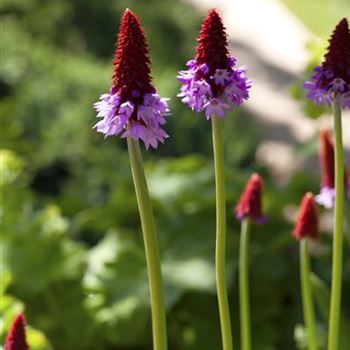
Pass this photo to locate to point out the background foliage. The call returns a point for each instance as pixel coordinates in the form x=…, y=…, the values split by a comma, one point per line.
x=72, y=255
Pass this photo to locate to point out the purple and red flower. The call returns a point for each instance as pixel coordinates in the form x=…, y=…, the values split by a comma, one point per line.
x=16, y=336
x=327, y=193
x=132, y=106
x=331, y=80
x=306, y=224
x=212, y=83
x=249, y=205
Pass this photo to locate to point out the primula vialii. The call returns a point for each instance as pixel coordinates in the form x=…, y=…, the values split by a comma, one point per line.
x=248, y=208
x=306, y=227
x=133, y=109
x=331, y=80
x=132, y=106
x=306, y=224
x=16, y=336
x=249, y=205
x=327, y=193
x=330, y=85
x=213, y=84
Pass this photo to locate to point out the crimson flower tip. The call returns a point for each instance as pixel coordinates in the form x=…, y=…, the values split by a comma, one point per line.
x=212, y=48
x=131, y=64
x=212, y=83
x=249, y=204
x=306, y=224
x=16, y=337
x=132, y=107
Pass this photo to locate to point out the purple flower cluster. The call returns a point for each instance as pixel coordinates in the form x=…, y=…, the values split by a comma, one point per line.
x=213, y=93
x=141, y=121
x=324, y=87
x=326, y=197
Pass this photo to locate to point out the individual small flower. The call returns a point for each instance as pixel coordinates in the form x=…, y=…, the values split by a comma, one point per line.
x=331, y=80
x=249, y=205
x=16, y=337
x=215, y=106
x=212, y=83
x=306, y=224
x=132, y=107
x=327, y=193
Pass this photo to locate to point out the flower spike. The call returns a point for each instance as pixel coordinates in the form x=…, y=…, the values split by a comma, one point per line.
x=326, y=196
x=132, y=106
x=212, y=83
x=249, y=205
x=307, y=222
x=331, y=80
x=212, y=48
x=16, y=337
x=327, y=193
x=131, y=64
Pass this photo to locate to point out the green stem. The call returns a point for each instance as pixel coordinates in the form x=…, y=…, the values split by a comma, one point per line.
x=220, y=252
x=347, y=221
x=337, y=233
x=151, y=247
x=244, y=285
x=308, y=307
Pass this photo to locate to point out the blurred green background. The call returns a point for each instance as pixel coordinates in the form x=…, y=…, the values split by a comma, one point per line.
x=72, y=252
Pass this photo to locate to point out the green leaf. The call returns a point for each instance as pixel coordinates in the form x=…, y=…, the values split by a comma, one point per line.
x=41, y=250
x=11, y=166
x=117, y=278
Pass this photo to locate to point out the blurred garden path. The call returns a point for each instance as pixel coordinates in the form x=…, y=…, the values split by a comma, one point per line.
x=267, y=38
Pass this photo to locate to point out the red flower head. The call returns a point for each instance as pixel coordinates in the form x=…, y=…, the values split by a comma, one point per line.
x=326, y=159
x=132, y=67
x=327, y=193
x=212, y=48
x=331, y=80
x=16, y=337
x=213, y=83
x=132, y=107
x=337, y=57
x=307, y=221
x=249, y=205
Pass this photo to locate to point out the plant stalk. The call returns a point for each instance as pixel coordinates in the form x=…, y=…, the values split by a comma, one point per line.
x=220, y=250
x=151, y=247
x=347, y=221
x=244, y=285
x=334, y=314
x=306, y=293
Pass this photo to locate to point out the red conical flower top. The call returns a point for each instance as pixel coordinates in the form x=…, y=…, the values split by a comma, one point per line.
x=212, y=46
x=132, y=67
x=338, y=55
x=16, y=337
x=326, y=159
x=249, y=205
x=307, y=221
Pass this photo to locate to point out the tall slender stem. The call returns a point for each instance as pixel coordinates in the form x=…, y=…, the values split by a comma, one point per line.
x=151, y=247
x=244, y=285
x=347, y=221
x=308, y=306
x=220, y=251
x=334, y=314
